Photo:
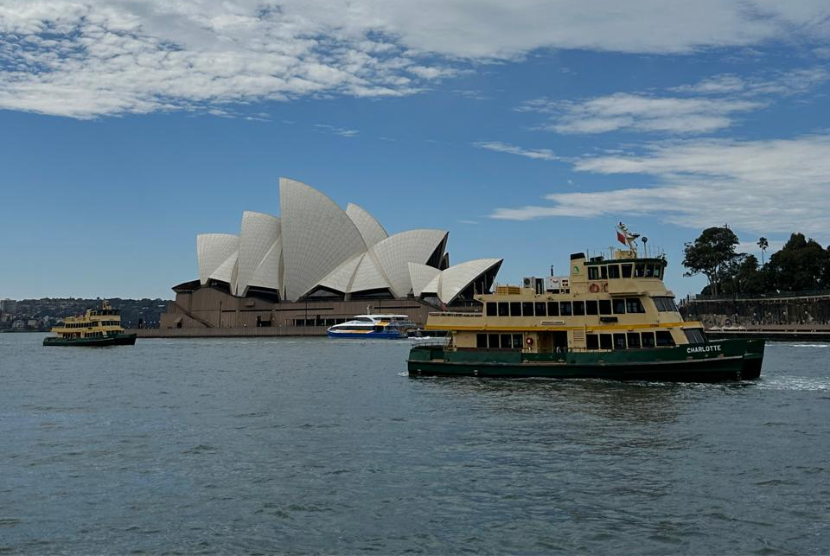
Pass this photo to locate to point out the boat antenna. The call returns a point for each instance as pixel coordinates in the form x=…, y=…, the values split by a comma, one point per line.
x=645, y=245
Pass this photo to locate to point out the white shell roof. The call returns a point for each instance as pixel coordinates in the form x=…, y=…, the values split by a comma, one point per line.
x=368, y=276
x=227, y=270
x=317, y=237
x=421, y=276
x=369, y=227
x=341, y=277
x=212, y=250
x=316, y=243
x=413, y=246
x=259, y=235
x=456, y=278
x=269, y=271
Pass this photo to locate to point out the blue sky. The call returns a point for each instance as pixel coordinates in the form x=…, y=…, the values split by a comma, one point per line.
x=526, y=129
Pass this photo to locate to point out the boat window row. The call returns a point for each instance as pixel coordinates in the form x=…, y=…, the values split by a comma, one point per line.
x=78, y=325
x=629, y=340
x=625, y=270
x=665, y=304
x=107, y=312
x=619, y=306
x=499, y=341
x=319, y=322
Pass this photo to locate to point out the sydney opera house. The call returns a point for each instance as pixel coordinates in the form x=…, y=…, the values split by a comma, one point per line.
x=318, y=265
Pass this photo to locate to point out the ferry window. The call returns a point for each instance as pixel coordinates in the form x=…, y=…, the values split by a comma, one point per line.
x=565, y=308
x=649, y=270
x=592, y=341
x=493, y=340
x=553, y=309
x=664, y=338
x=634, y=305
x=605, y=341
x=527, y=308
x=517, y=341
x=619, y=341
x=504, y=309
x=604, y=306
x=626, y=271
x=603, y=272
x=665, y=304
x=593, y=273
x=639, y=270
x=695, y=336
x=491, y=310
x=633, y=340
x=506, y=342
x=613, y=271
x=579, y=308
x=515, y=309
x=657, y=270
x=619, y=306
x=591, y=307
x=541, y=309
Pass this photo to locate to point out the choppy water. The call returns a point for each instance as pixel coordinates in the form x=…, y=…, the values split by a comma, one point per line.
x=323, y=446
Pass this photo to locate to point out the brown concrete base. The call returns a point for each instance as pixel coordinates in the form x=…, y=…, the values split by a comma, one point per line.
x=241, y=332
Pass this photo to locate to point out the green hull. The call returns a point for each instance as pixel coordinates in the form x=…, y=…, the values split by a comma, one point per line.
x=710, y=362
x=120, y=340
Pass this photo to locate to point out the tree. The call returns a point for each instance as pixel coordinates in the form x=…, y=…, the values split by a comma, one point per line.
x=763, y=244
x=742, y=275
x=710, y=255
x=799, y=265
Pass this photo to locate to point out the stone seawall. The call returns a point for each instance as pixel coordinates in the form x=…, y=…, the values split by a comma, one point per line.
x=809, y=311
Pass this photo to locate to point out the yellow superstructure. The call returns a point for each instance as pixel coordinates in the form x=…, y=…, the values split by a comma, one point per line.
x=102, y=323
x=604, y=304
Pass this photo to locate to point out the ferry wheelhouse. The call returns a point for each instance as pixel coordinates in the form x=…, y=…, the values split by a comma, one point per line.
x=609, y=318
x=373, y=326
x=95, y=328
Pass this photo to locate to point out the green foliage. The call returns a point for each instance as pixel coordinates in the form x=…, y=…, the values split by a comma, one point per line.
x=711, y=254
x=801, y=265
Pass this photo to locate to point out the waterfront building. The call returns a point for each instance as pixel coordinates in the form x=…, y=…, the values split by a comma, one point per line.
x=318, y=264
x=8, y=306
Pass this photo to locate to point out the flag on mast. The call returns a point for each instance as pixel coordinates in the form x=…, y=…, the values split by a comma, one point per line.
x=621, y=237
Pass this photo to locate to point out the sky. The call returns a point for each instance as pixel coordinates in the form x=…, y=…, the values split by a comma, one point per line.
x=527, y=129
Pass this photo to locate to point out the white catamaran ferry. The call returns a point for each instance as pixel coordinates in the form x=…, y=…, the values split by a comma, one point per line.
x=373, y=326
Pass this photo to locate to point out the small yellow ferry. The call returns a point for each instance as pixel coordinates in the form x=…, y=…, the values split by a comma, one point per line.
x=96, y=328
x=610, y=318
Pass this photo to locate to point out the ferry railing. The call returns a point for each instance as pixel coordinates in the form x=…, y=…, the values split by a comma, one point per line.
x=454, y=314
x=431, y=341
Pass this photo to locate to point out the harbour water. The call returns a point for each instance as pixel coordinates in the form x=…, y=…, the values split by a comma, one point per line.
x=307, y=446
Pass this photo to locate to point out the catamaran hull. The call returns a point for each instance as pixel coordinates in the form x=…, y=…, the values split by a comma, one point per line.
x=369, y=335
x=718, y=361
x=120, y=340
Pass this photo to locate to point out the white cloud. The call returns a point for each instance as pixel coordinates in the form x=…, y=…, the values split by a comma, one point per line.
x=639, y=113
x=762, y=187
x=782, y=83
x=89, y=59
x=714, y=104
x=539, y=154
x=340, y=131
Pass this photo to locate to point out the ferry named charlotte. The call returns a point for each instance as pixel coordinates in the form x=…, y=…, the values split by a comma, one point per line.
x=610, y=318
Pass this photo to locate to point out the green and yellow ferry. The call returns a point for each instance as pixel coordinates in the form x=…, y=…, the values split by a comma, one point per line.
x=610, y=318
x=95, y=328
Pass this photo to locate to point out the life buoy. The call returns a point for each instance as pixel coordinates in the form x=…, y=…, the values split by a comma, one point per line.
x=529, y=341
x=594, y=288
